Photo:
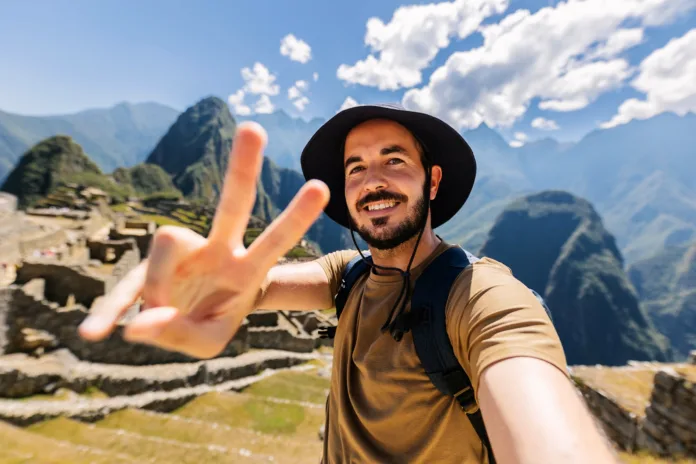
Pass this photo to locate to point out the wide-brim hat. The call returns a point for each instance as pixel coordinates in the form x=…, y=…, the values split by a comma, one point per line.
x=322, y=157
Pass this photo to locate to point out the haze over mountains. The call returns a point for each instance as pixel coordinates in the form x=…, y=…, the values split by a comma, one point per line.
x=639, y=175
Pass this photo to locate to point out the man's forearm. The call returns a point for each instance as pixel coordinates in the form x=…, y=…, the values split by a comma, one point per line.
x=295, y=287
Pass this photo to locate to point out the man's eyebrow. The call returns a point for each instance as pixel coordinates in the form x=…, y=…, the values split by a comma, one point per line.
x=393, y=149
x=352, y=159
x=384, y=151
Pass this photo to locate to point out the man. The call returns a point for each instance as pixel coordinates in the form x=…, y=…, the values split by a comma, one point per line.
x=394, y=175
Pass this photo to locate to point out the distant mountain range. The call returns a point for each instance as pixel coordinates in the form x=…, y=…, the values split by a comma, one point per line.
x=120, y=136
x=638, y=175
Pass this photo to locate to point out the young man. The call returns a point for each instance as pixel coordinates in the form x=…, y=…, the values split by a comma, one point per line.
x=393, y=176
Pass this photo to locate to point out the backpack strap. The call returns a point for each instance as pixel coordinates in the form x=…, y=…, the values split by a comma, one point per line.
x=432, y=343
x=355, y=268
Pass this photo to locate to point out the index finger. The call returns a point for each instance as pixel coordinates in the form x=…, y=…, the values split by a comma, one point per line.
x=106, y=313
x=239, y=190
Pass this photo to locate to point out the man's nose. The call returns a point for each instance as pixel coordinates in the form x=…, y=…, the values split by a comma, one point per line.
x=374, y=180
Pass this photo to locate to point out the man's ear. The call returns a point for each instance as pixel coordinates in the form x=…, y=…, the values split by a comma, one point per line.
x=435, y=178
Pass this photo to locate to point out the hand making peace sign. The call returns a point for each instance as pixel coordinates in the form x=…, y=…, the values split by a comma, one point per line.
x=196, y=290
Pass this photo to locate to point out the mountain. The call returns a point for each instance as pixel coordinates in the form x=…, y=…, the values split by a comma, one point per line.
x=281, y=185
x=287, y=136
x=500, y=178
x=666, y=283
x=50, y=163
x=146, y=179
x=195, y=152
x=637, y=175
x=114, y=137
x=556, y=244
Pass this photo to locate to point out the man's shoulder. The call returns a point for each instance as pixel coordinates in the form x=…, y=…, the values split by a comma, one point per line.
x=483, y=275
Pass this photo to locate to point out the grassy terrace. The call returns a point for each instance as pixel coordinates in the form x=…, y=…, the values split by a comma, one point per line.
x=274, y=420
x=630, y=387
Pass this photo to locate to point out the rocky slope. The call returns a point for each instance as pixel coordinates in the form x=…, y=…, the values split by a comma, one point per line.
x=556, y=244
x=666, y=283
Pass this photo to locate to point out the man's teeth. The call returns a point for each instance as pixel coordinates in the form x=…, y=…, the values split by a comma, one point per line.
x=379, y=206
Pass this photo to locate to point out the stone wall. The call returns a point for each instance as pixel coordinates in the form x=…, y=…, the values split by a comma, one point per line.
x=100, y=249
x=669, y=428
x=278, y=338
x=63, y=281
x=128, y=261
x=143, y=233
x=18, y=310
x=620, y=426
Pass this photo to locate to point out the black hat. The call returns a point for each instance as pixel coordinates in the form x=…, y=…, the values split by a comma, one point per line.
x=322, y=157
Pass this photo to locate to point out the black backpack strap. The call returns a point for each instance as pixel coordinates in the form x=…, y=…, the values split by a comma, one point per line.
x=352, y=272
x=432, y=343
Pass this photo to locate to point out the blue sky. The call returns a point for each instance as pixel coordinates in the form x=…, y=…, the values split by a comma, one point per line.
x=64, y=56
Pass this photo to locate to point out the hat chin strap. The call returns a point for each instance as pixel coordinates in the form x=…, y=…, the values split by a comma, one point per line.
x=399, y=325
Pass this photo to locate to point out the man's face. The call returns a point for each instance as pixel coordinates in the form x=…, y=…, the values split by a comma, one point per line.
x=385, y=183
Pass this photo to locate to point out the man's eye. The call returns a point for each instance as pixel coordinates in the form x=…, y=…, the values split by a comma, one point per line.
x=395, y=161
x=355, y=169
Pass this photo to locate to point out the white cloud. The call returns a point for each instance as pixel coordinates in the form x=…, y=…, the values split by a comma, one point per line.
x=408, y=43
x=259, y=80
x=301, y=103
x=296, y=49
x=315, y=76
x=565, y=56
x=296, y=94
x=544, y=124
x=667, y=78
x=264, y=105
x=237, y=102
x=621, y=40
x=349, y=102
x=520, y=139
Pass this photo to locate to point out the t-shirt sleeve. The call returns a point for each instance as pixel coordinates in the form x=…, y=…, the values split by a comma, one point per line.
x=333, y=264
x=492, y=316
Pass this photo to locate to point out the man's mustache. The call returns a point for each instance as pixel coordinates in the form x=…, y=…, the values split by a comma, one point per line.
x=380, y=195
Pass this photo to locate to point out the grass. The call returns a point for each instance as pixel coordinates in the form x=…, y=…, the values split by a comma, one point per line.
x=646, y=458
x=294, y=449
x=120, y=208
x=255, y=413
x=629, y=388
x=297, y=386
x=23, y=446
x=140, y=447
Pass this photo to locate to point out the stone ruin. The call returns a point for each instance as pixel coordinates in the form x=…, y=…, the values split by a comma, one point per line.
x=58, y=277
x=644, y=406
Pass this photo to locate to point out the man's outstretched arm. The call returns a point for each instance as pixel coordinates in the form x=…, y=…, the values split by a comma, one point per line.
x=298, y=287
x=533, y=414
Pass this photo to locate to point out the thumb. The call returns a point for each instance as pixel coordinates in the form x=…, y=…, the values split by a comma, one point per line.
x=170, y=329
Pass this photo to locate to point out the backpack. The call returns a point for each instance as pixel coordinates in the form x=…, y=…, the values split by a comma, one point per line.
x=427, y=323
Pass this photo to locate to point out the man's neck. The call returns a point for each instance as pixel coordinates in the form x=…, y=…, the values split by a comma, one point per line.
x=400, y=256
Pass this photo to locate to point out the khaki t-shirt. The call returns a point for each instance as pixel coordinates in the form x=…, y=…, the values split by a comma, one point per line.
x=382, y=407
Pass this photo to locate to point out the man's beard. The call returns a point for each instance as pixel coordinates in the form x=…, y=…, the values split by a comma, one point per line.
x=405, y=231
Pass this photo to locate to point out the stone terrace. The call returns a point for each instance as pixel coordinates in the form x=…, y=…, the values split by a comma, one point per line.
x=643, y=406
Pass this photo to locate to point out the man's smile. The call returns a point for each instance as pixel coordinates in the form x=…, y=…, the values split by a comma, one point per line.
x=380, y=208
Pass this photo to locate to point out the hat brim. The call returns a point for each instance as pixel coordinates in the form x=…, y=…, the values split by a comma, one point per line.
x=322, y=158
